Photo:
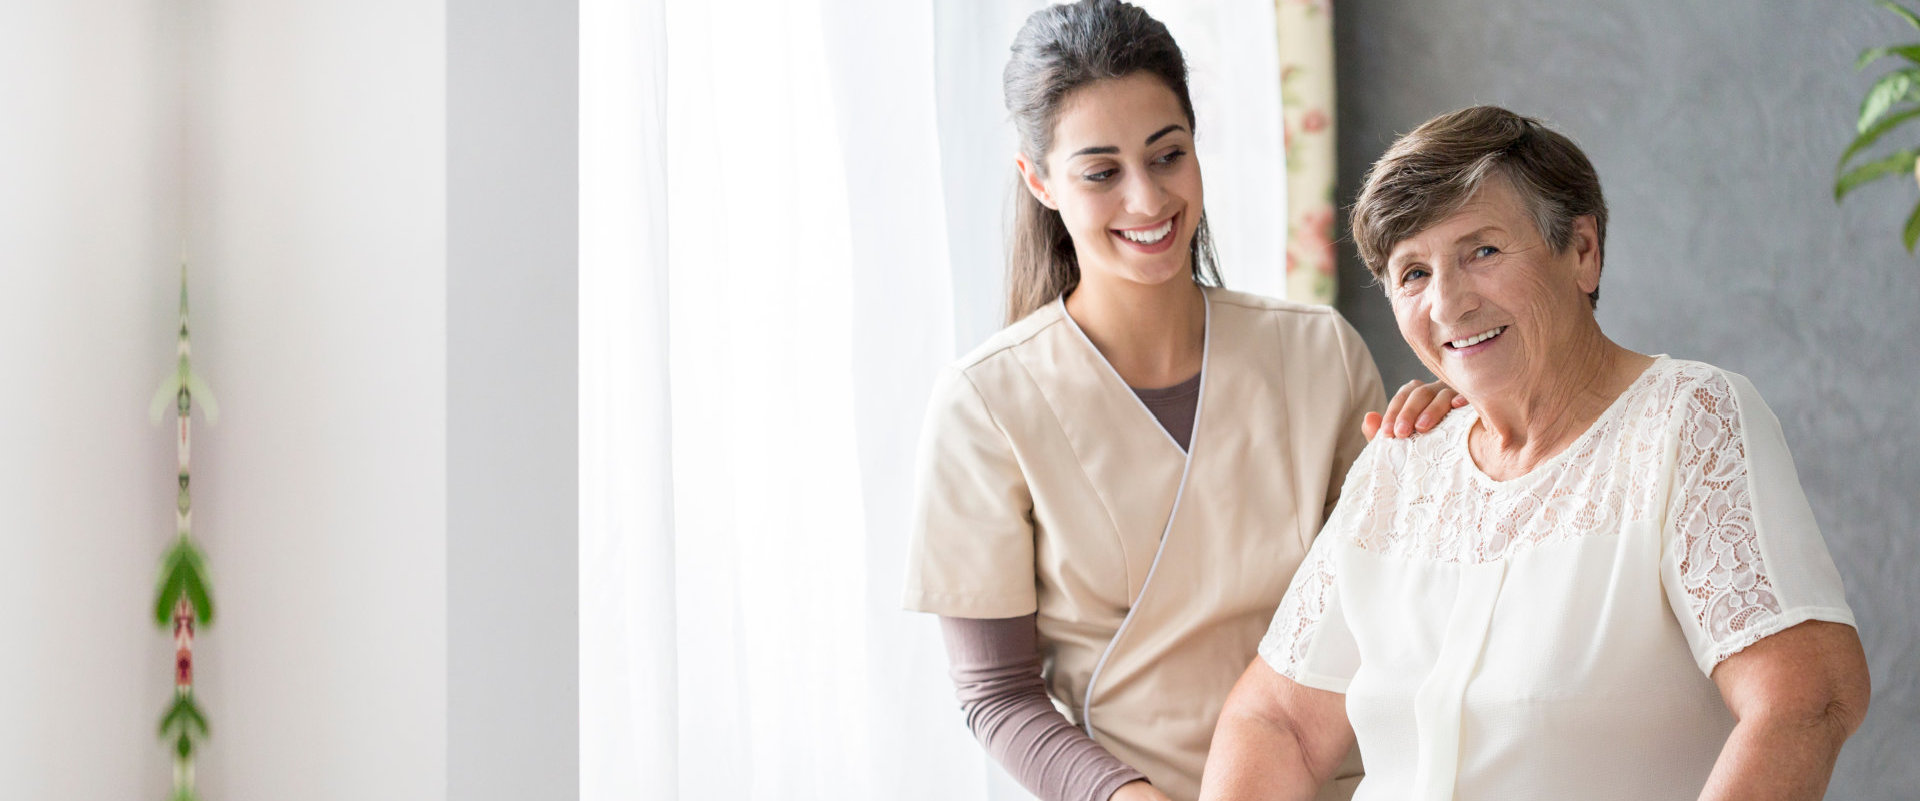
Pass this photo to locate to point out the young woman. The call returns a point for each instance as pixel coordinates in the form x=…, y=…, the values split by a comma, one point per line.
x=1116, y=489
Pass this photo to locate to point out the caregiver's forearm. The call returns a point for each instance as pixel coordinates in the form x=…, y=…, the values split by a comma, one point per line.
x=996, y=670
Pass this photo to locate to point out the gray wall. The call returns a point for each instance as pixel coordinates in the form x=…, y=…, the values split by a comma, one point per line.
x=1714, y=128
x=513, y=391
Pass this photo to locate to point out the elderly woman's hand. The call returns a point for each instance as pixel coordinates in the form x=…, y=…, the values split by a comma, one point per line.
x=1417, y=407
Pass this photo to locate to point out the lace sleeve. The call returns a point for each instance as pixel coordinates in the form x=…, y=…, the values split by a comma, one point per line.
x=1744, y=558
x=1308, y=640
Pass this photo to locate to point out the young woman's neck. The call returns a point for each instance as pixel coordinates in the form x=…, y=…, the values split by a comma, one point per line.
x=1153, y=335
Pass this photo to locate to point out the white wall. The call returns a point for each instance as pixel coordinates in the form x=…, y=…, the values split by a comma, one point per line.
x=87, y=244
x=318, y=183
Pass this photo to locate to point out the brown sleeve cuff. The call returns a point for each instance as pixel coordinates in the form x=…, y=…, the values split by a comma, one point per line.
x=995, y=664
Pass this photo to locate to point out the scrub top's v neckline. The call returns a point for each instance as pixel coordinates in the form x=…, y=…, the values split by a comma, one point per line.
x=1179, y=494
x=1206, y=351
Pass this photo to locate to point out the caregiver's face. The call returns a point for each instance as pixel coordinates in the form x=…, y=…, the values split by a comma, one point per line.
x=1124, y=178
x=1485, y=302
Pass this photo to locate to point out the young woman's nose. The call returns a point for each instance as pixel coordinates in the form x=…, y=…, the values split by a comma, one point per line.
x=1145, y=196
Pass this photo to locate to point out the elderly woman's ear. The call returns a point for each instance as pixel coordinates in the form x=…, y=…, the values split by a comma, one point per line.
x=1586, y=244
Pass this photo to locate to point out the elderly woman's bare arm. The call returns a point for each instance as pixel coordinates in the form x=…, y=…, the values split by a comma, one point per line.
x=1276, y=739
x=1797, y=696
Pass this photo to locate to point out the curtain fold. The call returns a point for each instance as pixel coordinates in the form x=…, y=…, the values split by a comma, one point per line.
x=629, y=708
x=1305, y=35
x=765, y=302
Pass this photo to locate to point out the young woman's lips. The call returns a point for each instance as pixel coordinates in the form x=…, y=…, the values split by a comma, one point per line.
x=1166, y=228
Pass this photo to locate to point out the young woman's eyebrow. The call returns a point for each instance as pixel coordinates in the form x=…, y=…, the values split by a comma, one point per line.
x=1164, y=131
x=1110, y=149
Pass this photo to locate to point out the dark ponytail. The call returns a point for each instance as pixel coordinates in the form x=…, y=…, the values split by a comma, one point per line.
x=1061, y=49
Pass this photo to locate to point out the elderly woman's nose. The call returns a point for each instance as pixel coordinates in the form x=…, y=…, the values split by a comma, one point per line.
x=1453, y=296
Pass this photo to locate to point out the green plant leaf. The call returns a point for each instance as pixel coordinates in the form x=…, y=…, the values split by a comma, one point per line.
x=184, y=713
x=1912, y=233
x=184, y=572
x=1896, y=163
x=1873, y=134
x=1910, y=52
x=163, y=397
x=203, y=395
x=1892, y=88
x=197, y=594
x=1904, y=14
x=184, y=746
x=171, y=585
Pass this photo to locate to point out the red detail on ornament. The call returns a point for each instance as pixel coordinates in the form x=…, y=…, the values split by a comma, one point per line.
x=183, y=661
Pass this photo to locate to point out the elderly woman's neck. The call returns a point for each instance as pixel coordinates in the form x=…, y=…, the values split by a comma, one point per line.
x=1153, y=335
x=1516, y=434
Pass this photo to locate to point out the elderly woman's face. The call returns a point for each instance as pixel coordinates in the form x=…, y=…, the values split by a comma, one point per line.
x=1486, y=303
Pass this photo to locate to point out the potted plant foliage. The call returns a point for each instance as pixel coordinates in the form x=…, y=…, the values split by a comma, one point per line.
x=1893, y=100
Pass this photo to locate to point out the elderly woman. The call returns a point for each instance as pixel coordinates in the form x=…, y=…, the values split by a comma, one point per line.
x=1599, y=581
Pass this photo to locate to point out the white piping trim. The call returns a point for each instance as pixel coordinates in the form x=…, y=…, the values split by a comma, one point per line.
x=1206, y=351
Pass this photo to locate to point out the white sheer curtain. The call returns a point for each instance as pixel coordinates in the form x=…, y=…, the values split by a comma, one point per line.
x=768, y=224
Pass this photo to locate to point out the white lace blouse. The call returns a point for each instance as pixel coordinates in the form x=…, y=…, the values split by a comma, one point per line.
x=1551, y=636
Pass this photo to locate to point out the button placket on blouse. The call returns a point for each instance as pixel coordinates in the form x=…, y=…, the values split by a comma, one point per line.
x=1438, y=703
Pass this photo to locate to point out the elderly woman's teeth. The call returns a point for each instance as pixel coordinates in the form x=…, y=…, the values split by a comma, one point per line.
x=1477, y=339
x=1150, y=236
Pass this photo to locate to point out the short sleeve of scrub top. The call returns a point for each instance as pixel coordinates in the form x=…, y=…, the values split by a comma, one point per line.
x=972, y=549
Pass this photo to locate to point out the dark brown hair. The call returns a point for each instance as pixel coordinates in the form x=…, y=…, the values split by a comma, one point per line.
x=1061, y=49
x=1430, y=173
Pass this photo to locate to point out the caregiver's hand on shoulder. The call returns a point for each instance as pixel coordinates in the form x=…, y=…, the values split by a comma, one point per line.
x=1138, y=791
x=1417, y=407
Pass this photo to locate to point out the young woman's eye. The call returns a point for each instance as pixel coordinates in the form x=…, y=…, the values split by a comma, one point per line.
x=1172, y=156
x=1484, y=251
x=1100, y=176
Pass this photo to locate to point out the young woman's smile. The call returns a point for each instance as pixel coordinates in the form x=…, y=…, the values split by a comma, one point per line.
x=1149, y=239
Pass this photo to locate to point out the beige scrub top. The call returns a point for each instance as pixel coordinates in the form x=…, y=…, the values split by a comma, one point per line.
x=1046, y=486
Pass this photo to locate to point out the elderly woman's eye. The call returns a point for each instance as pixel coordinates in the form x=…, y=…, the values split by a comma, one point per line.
x=1410, y=275
x=1485, y=250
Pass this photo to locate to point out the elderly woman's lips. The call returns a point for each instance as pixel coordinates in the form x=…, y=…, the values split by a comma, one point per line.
x=1460, y=344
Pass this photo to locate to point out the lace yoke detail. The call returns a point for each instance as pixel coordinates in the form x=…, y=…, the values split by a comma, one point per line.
x=1602, y=481
x=1459, y=515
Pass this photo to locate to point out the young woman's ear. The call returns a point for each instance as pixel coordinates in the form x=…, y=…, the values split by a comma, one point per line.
x=1030, y=178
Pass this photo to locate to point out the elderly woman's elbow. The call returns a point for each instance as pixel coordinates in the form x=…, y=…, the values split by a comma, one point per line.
x=1812, y=678
x=1845, y=706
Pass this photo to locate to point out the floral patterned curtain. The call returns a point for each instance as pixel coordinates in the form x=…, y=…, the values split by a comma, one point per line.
x=1306, y=103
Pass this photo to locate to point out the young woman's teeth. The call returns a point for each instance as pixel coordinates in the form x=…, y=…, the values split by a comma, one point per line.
x=1150, y=236
x=1477, y=339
